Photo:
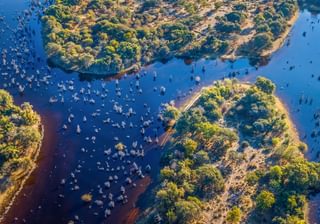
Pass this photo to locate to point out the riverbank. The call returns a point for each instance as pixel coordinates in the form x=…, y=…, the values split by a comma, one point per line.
x=19, y=178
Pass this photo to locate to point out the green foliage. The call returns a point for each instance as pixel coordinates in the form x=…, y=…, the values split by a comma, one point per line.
x=287, y=8
x=106, y=37
x=253, y=178
x=18, y=133
x=265, y=200
x=290, y=184
x=150, y=4
x=235, y=17
x=5, y=100
x=277, y=28
x=257, y=113
x=187, y=122
x=189, y=147
x=209, y=179
x=227, y=27
x=259, y=43
x=289, y=220
x=240, y=7
x=171, y=113
x=201, y=157
x=202, y=153
x=169, y=195
x=234, y=215
x=188, y=176
x=265, y=85
x=187, y=210
x=176, y=34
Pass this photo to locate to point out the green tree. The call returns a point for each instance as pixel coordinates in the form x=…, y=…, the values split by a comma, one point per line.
x=189, y=146
x=265, y=200
x=210, y=180
x=234, y=215
x=187, y=210
x=169, y=195
x=260, y=42
x=235, y=17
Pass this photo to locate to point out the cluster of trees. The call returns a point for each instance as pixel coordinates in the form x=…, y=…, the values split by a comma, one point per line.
x=211, y=46
x=231, y=22
x=255, y=114
x=18, y=132
x=170, y=115
x=284, y=190
x=106, y=36
x=270, y=24
x=212, y=99
x=189, y=176
x=204, y=136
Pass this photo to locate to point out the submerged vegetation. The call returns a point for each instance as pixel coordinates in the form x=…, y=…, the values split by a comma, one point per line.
x=234, y=157
x=20, y=137
x=107, y=36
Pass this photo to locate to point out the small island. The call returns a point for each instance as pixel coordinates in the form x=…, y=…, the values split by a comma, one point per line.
x=20, y=141
x=108, y=37
x=234, y=157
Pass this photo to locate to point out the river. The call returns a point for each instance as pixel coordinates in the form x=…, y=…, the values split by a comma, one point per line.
x=72, y=164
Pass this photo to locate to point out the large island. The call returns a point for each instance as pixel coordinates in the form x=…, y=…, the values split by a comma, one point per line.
x=234, y=157
x=108, y=36
x=20, y=140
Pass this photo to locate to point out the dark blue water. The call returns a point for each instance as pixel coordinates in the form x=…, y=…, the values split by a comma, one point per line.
x=81, y=161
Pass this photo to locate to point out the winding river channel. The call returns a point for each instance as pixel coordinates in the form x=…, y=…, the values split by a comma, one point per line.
x=124, y=109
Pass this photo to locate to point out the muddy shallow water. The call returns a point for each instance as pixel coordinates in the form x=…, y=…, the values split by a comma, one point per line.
x=72, y=164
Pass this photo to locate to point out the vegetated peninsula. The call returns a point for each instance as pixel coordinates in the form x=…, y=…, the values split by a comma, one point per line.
x=20, y=140
x=109, y=36
x=234, y=157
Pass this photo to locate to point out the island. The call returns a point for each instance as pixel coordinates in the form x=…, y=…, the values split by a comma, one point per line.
x=234, y=157
x=104, y=37
x=20, y=141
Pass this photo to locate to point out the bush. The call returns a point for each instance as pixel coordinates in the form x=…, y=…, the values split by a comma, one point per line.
x=265, y=200
x=265, y=85
x=234, y=215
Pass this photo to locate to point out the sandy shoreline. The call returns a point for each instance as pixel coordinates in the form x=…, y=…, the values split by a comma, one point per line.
x=8, y=197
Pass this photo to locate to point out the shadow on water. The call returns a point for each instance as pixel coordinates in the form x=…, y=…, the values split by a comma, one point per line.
x=107, y=78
